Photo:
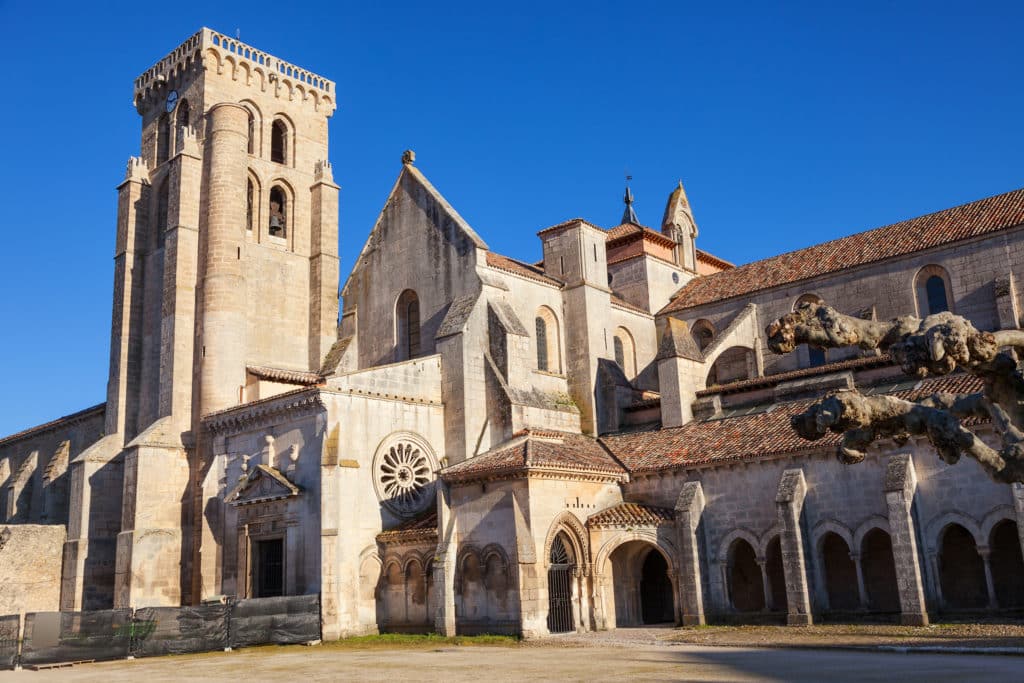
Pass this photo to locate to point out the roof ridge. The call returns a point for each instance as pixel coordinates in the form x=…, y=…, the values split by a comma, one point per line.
x=945, y=226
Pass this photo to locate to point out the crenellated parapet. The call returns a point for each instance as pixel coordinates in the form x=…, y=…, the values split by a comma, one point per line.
x=210, y=50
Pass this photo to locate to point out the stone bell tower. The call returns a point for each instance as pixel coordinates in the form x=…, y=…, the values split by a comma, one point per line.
x=226, y=258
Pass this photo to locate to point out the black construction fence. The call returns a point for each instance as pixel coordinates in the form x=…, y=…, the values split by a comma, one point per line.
x=62, y=637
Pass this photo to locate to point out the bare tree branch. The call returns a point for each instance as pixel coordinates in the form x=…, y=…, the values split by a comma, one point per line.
x=938, y=344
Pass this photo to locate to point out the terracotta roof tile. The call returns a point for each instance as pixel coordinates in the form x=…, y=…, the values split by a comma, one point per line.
x=943, y=227
x=631, y=514
x=526, y=270
x=769, y=380
x=39, y=429
x=746, y=437
x=265, y=372
x=422, y=528
x=713, y=260
x=538, y=449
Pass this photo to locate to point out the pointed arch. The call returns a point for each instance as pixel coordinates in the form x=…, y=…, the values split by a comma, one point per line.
x=579, y=547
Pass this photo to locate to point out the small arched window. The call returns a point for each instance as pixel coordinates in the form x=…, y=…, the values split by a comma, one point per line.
x=703, y=333
x=279, y=142
x=163, y=139
x=625, y=351
x=278, y=223
x=548, y=352
x=542, y=344
x=181, y=117
x=407, y=327
x=162, y=201
x=933, y=291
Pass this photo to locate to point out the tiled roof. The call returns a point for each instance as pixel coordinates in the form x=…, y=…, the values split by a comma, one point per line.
x=951, y=225
x=519, y=268
x=422, y=528
x=713, y=260
x=537, y=449
x=746, y=437
x=770, y=380
x=619, y=301
x=563, y=224
x=270, y=374
x=629, y=229
x=631, y=514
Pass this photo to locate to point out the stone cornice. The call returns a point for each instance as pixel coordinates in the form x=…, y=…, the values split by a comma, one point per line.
x=537, y=472
x=264, y=411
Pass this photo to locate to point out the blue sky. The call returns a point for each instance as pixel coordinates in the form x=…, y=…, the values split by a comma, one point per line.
x=789, y=124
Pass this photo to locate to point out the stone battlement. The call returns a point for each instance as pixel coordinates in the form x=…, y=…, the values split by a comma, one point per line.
x=192, y=50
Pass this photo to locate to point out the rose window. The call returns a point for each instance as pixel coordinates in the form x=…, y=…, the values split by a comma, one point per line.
x=404, y=476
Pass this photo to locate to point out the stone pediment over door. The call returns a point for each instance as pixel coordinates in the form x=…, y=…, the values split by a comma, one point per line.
x=262, y=484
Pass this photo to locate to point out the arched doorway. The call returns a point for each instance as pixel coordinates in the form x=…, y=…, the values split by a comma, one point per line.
x=961, y=570
x=879, y=569
x=746, y=587
x=641, y=589
x=776, y=576
x=656, y=605
x=1007, y=564
x=560, y=587
x=840, y=573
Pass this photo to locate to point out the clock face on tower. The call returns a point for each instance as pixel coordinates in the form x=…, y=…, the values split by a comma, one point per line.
x=172, y=99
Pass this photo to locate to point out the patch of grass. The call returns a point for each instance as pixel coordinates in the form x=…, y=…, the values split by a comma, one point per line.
x=415, y=640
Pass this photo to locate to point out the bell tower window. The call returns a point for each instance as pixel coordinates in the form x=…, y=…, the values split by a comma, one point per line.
x=279, y=142
x=278, y=223
x=181, y=118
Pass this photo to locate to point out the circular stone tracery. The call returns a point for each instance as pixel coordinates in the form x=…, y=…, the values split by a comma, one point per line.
x=404, y=475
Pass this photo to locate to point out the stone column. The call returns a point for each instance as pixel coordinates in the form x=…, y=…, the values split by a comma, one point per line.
x=900, y=485
x=444, y=563
x=689, y=508
x=790, y=502
x=769, y=602
x=861, y=589
x=986, y=555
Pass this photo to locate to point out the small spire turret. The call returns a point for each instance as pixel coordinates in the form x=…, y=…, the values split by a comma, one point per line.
x=629, y=215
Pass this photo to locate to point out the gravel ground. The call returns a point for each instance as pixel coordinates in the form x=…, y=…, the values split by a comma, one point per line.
x=973, y=636
x=623, y=657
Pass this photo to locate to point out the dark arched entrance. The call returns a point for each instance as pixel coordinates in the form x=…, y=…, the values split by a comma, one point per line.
x=776, y=576
x=879, y=569
x=840, y=573
x=746, y=588
x=559, y=588
x=655, y=590
x=1007, y=564
x=961, y=570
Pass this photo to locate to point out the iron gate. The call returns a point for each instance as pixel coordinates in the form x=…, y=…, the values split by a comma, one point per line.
x=559, y=600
